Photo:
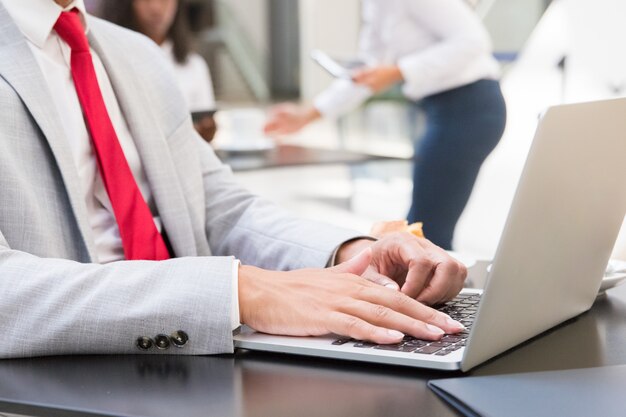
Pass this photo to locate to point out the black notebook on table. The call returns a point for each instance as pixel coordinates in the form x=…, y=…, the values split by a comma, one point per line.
x=572, y=393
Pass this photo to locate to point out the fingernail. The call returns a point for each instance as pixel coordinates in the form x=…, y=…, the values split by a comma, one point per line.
x=395, y=334
x=434, y=329
x=454, y=323
x=392, y=286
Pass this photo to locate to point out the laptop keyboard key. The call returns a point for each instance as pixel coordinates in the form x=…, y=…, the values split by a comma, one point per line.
x=440, y=344
x=429, y=350
x=396, y=348
x=364, y=345
x=451, y=338
x=416, y=343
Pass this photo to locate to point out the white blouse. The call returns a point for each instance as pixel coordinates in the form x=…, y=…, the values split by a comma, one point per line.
x=438, y=45
x=194, y=79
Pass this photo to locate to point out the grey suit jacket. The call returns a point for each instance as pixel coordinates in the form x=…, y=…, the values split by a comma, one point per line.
x=54, y=296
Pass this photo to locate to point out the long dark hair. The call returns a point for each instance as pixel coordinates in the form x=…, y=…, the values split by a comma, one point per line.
x=121, y=12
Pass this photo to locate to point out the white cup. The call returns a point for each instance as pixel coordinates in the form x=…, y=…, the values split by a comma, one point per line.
x=247, y=125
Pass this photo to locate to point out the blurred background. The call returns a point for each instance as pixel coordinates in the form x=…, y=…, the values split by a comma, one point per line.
x=259, y=54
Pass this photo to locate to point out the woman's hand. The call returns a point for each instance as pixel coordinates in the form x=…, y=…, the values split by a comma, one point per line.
x=378, y=78
x=206, y=127
x=289, y=118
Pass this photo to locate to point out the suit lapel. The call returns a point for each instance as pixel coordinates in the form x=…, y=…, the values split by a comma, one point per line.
x=23, y=73
x=151, y=145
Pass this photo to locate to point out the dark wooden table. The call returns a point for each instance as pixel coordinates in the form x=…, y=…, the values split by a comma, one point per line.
x=270, y=385
x=292, y=155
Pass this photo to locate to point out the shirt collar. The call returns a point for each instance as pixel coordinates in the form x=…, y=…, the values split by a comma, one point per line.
x=36, y=18
x=167, y=46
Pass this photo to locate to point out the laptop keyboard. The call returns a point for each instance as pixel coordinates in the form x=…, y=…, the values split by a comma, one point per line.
x=463, y=308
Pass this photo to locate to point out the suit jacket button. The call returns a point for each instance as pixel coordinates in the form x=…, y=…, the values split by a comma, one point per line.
x=179, y=338
x=162, y=342
x=144, y=343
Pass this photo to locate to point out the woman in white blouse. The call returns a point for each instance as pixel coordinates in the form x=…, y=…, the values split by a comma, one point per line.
x=165, y=22
x=441, y=53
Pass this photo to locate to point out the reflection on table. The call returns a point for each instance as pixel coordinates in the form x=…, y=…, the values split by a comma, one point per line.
x=293, y=155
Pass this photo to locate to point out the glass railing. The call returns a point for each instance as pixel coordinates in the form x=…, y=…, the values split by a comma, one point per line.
x=251, y=62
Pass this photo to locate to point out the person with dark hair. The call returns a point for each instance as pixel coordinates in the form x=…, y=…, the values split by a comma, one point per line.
x=166, y=23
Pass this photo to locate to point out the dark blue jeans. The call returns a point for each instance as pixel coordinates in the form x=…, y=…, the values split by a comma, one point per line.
x=463, y=126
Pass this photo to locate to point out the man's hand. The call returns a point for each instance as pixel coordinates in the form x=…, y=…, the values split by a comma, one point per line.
x=419, y=268
x=312, y=302
x=206, y=127
x=289, y=118
x=379, y=78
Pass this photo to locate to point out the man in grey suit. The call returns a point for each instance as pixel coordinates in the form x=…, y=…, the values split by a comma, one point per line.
x=67, y=284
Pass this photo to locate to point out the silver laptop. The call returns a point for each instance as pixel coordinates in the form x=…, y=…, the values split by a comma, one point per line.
x=561, y=229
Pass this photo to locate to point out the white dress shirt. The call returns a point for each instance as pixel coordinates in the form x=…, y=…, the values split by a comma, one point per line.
x=53, y=56
x=36, y=19
x=437, y=44
x=194, y=79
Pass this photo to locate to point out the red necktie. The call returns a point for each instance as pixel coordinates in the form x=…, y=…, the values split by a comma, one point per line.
x=140, y=237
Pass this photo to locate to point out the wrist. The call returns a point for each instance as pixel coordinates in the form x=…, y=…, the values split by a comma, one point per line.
x=247, y=290
x=351, y=248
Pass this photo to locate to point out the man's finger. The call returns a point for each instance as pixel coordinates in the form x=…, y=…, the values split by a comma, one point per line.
x=356, y=265
x=372, y=275
x=447, y=281
x=347, y=325
x=401, y=303
x=387, y=318
x=420, y=267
